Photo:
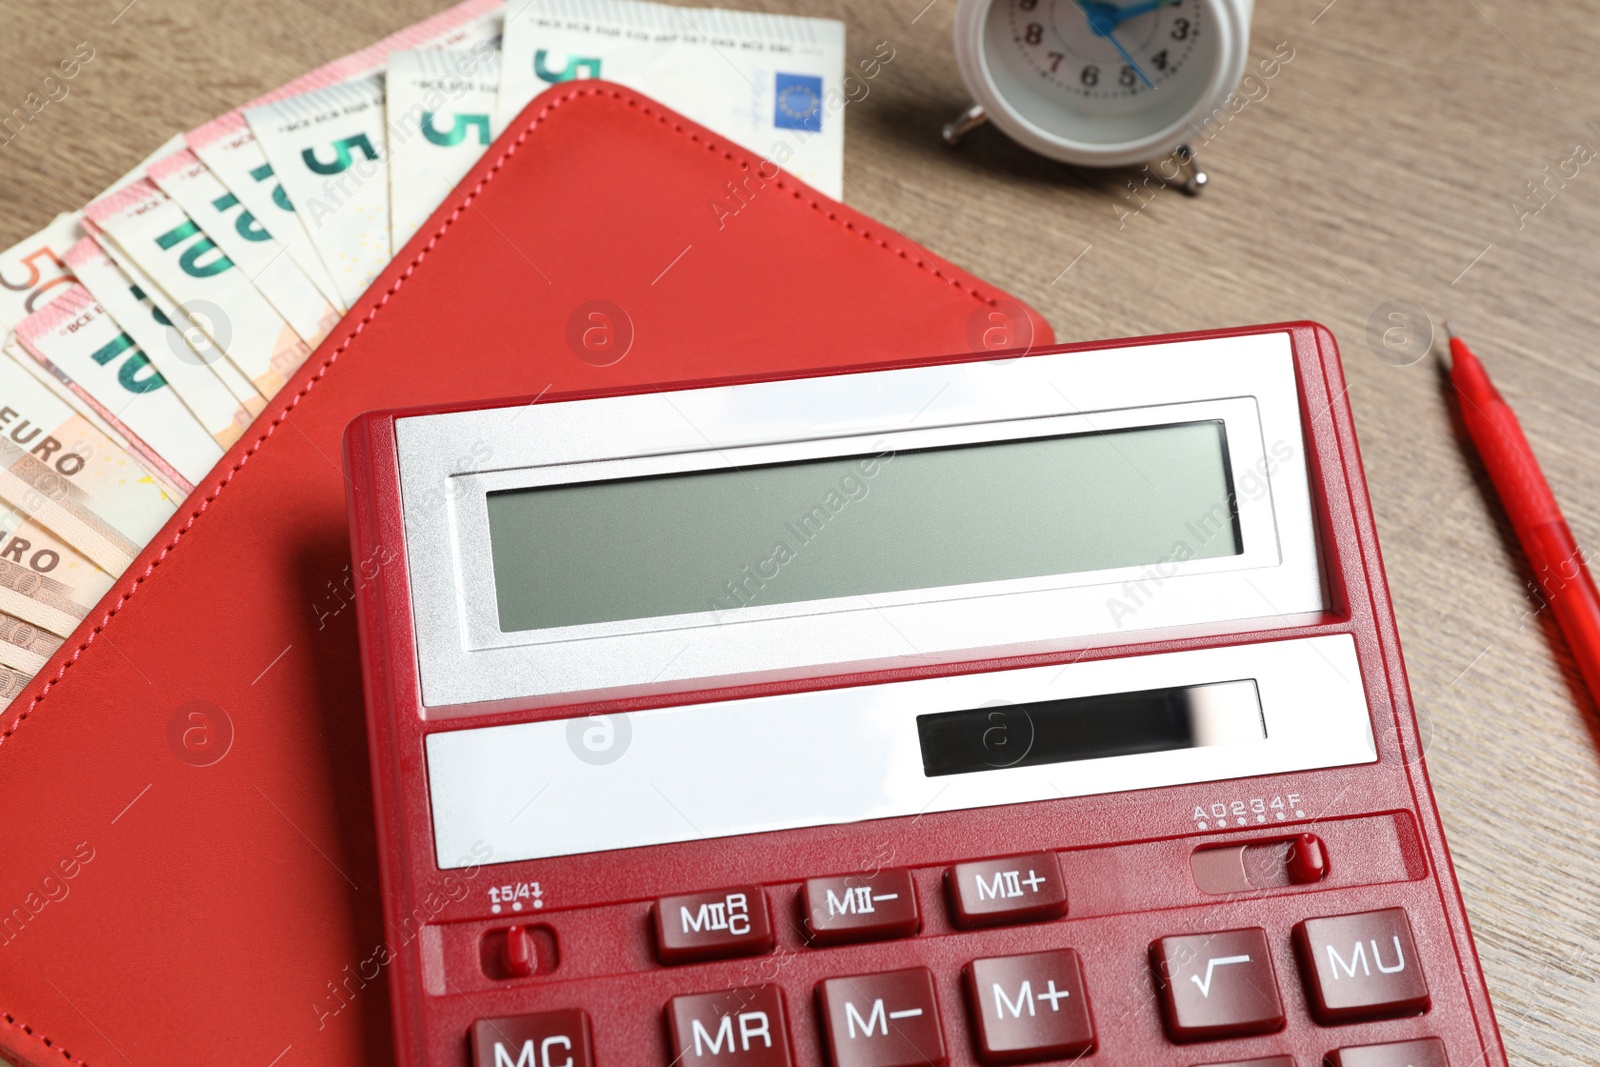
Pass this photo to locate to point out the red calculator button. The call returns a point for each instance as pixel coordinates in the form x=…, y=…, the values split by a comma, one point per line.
x=1361, y=966
x=1014, y=889
x=1217, y=985
x=1030, y=1007
x=882, y=1020
x=1428, y=1052
x=1267, y=1061
x=733, y=1028
x=707, y=926
x=553, y=1038
x=860, y=907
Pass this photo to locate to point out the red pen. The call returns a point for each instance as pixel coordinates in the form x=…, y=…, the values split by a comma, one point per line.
x=1558, y=566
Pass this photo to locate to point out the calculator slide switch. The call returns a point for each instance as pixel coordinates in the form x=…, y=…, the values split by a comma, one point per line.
x=713, y=925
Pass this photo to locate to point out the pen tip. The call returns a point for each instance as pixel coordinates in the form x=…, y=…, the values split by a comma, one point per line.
x=1448, y=332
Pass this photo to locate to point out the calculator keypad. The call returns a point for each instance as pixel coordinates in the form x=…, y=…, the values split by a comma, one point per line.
x=882, y=1020
x=732, y=1028
x=1030, y=1007
x=1217, y=985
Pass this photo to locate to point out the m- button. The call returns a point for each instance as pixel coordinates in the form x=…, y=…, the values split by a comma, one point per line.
x=1030, y=1007
x=1217, y=985
x=734, y=1028
x=882, y=1020
x=860, y=907
x=705, y=926
x=544, y=1039
x=1361, y=966
x=1015, y=889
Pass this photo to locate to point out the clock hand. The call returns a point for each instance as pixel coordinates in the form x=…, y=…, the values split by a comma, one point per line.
x=1102, y=18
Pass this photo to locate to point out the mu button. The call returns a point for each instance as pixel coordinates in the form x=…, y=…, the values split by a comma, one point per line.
x=882, y=1020
x=1030, y=1007
x=734, y=1028
x=544, y=1039
x=707, y=926
x=1217, y=985
x=1014, y=889
x=1361, y=966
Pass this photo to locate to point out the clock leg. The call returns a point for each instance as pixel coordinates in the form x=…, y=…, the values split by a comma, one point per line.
x=1190, y=178
x=968, y=121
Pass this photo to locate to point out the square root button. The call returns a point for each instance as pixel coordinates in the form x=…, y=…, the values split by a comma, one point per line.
x=1361, y=966
x=882, y=1020
x=1217, y=985
x=557, y=1038
x=1013, y=889
x=860, y=907
x=733, y=1028
x=708, y=926
x=1030, y=1007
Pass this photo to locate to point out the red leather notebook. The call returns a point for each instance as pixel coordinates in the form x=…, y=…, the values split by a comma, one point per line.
x=189, y=874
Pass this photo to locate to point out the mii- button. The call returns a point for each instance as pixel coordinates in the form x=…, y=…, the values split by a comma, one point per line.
x=1014, y=889
x=713, y=925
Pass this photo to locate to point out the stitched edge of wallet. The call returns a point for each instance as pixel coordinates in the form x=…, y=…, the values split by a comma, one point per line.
x=633, y=101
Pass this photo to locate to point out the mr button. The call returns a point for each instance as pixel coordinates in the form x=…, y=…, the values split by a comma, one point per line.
x=1030, y=1007
x=734, y=1028
x=1016, y=889
x=1361, y=966
x=708, y=926
x=1217, y=985
x=545, y=1039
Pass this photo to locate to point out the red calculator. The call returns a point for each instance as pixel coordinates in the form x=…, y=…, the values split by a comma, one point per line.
x=1027, y=710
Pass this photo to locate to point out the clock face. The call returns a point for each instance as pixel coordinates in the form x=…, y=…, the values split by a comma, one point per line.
x=1102, y=75
x=1092, y=52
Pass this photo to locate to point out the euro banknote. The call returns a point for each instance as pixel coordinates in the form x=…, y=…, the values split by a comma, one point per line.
x=76, y=339
x=771, y=83
x=203, y=393
x=209, y=291
x=44, y=580
x=24, y=646
x=441, y=107
x=64, y=474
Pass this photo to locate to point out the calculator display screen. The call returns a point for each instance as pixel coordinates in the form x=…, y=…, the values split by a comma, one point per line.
x=717, y=540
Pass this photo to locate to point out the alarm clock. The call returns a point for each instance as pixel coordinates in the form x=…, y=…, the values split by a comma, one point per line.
x=958, y=711
x=1101, y=84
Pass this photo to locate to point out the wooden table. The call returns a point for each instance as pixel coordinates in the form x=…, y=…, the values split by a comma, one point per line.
x=1387, y=161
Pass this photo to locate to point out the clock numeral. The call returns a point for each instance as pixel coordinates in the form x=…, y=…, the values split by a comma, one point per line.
x=1090, y=75
x=1127, y=78
x=1055, y=61
x=1159, y=60
x=1034, y=34
x=1180, y=29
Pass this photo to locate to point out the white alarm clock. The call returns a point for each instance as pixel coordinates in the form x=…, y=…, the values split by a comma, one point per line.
x=1101, y=84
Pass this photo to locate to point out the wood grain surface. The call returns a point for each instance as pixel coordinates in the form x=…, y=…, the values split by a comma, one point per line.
x=1386, y=161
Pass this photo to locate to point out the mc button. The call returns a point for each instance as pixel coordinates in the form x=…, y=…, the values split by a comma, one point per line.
x=545, y=1039
x=707, y=926
x=1015, y=889
x=1361, y=966
x=1217, y=985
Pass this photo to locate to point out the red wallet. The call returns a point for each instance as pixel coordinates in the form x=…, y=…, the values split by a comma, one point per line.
x=191, y=873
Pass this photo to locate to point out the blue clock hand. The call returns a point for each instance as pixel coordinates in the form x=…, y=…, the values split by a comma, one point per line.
x=1102, y=18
